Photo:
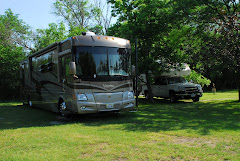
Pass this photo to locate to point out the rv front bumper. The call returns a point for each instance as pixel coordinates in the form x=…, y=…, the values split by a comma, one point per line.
x=93, y=107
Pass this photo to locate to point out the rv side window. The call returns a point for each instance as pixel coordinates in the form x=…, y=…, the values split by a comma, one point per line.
x=65, y=65
x=22, y=73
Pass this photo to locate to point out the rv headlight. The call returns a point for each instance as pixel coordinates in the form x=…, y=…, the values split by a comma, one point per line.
x=130, y=95
x=82, y=97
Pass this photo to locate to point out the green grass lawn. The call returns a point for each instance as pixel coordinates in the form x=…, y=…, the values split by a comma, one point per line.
x=233, y=94
x=206, y=130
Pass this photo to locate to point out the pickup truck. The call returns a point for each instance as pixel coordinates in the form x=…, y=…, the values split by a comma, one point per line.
x=175, y=88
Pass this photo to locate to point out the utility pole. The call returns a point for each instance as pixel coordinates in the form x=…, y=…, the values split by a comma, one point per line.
x=136, y=82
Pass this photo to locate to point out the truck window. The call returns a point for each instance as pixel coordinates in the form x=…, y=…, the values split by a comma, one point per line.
x=164, y=81
x=157, y=81
x=173, y=80
x=160, y=81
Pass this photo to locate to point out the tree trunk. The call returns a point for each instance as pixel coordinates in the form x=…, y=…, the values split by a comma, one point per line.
x=149, y=87
x=238, y=94
x=238, y=91
x=238, y=85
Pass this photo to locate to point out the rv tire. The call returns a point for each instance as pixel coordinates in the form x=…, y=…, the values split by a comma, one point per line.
x=29, y=102
x=62, y=108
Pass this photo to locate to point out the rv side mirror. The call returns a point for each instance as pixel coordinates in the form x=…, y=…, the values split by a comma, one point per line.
x=72, y=68
x=133, y=70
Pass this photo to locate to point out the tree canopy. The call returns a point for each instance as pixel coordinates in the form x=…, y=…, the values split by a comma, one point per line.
x=83, y=15
x=202, y=33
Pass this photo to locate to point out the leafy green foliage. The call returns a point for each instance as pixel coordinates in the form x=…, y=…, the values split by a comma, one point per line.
x=74, y=31
x=74, y=12
x=80, y=14
x=216, y=25
x=154, y=25
x=13, y=33
x=54, y=33
x=198, y=78
x=9, y=73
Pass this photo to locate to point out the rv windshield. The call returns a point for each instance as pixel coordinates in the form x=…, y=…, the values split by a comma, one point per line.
x=174, y=80
x=102, y=61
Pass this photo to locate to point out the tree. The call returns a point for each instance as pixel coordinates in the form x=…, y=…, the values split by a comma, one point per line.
x=45, y=37
x=81, y=14
x=13, y=35
x=226, y=27
x=14, y=31
x=198, y=78
x=149, y=21
x=104, y=19
x=74, y=12
x=218, y=23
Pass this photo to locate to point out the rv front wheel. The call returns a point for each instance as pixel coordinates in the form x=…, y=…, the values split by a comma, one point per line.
x=61, y=106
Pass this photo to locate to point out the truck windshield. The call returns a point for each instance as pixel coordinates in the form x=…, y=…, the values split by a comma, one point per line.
x=102, y=61
x=173, y=80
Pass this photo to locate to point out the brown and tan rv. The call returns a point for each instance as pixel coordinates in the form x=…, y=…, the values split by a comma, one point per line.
x=82, y=74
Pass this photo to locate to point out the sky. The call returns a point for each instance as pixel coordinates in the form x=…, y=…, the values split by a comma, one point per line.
x=35, y=13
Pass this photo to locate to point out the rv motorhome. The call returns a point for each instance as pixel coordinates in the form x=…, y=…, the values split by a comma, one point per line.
x=82, y=74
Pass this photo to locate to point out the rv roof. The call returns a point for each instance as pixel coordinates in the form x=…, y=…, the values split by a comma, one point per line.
x=96, y=40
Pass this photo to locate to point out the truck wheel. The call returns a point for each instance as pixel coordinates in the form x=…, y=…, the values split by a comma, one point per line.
x=146, y=95
x=173, y=98
x=196, y=99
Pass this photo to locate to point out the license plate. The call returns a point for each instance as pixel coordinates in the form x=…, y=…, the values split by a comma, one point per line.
x=110, y=105
x=193, y=95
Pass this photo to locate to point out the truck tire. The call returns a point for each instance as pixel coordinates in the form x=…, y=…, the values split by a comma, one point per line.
x=196, y=99
x=146, y=94
x=173, y=97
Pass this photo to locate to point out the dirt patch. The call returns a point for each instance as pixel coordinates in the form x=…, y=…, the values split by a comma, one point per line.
x=194, y=142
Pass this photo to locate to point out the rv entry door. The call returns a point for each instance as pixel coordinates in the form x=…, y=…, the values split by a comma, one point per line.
x=65, y=75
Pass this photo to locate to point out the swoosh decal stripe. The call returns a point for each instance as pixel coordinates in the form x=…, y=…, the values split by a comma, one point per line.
x=97, y=87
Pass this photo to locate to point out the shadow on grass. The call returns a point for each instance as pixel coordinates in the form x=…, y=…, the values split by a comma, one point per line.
x=13, y=115
x=164, y=116
x=159, y=116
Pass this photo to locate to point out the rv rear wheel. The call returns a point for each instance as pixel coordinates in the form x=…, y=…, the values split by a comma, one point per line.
x=29, y=102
